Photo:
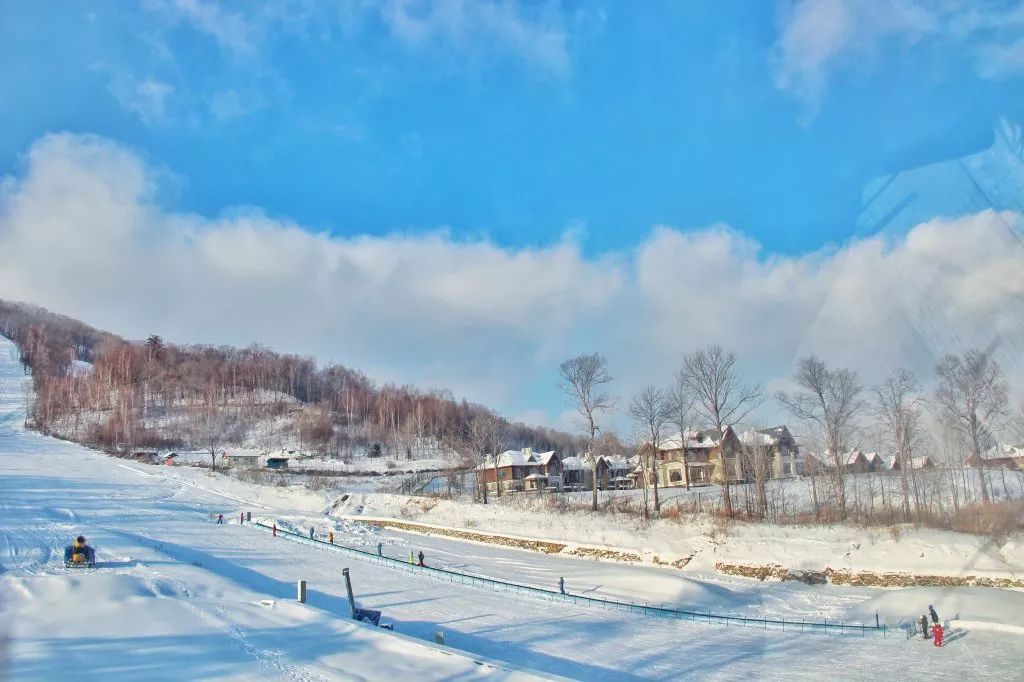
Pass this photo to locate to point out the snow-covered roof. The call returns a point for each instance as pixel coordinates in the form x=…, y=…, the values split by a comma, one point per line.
x=752, y=437
x=575, y=463
x=616, y=462
x=853, y=456
x=545, y=457
x=517, y=458
x=694, y=440
x=1001, y=450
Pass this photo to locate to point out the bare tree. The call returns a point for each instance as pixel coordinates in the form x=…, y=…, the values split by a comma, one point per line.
x=583, y=381
x=651, y=411
x=897, y=409
x=485, y=433
x=711, y=376
x=680, y=402
x=829, y=400
x=211, y=429
x=756, y=454
x=972, y=398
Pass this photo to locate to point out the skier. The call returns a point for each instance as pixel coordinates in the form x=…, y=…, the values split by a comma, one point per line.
x=421, y=557
x=330, y=537
x=561, y=585
x=937, y=630
x=380, y=549
x=220, y=518
x=275, y=530
x=924, y=626
x=311, y=532
x=931, y=612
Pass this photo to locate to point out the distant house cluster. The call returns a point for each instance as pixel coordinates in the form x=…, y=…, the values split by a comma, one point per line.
x=1001, y=456
x=525, y=470
x=857, y=462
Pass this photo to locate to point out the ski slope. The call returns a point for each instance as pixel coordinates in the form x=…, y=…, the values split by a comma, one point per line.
x=177, y=596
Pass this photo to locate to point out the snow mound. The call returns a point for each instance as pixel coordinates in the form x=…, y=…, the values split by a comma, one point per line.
x=962, y=604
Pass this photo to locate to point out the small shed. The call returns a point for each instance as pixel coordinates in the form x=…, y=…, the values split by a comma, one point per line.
x=242, y=459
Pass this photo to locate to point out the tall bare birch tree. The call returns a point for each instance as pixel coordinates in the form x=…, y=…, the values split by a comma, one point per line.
x=972, y=399
x=897, y=409
x=828, y=400
x=710, y=374
x=681, y=401
x=650, y=410
x=583, y=380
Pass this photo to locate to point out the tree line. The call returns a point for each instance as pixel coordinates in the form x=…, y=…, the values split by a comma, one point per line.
x=207, y=396
x=834, y=413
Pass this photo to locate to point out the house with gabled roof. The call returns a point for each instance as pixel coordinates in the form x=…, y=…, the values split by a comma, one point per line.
x=521, y=470
x=778, y=444
x=696, y=457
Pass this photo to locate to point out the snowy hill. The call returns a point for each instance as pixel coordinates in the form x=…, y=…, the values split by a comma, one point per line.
x=177, y=596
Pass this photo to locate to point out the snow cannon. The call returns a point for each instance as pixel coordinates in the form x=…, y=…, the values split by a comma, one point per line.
x=79, y=554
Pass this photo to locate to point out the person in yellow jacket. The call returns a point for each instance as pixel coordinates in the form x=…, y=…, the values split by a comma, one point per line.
x=330, y=537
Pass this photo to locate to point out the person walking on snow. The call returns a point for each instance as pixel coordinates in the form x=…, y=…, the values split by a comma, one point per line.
x=220, y=518
x=931, y=612
x=561, y=585
x=412, y=558
x=311, y=532
x=924, y=627
x=421, y=557
x=330, y=537
x=937, y=631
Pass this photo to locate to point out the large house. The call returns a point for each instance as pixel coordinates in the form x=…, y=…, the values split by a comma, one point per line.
x=521, y=470
x=613, y=472
x=778, y=444
x=710, y=457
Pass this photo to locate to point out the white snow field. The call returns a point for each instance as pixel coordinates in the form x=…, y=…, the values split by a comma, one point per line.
x=177, y=596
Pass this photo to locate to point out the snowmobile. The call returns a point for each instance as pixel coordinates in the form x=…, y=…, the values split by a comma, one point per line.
x=79, y=554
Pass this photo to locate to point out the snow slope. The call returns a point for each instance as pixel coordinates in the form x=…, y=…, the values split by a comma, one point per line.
x=177, y=596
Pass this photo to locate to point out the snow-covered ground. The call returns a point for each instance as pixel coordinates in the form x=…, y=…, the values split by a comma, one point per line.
x=177, y=596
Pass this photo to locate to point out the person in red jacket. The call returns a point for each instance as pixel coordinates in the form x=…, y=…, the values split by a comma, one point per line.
x=937, y=632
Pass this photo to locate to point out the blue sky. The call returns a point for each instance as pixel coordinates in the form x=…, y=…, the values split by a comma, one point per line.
x=523, y=126
x=657, y=113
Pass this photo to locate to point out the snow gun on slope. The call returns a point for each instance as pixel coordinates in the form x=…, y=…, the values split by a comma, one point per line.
x=79, y=554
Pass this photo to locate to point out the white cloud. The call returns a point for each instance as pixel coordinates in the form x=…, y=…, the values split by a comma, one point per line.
x=146, y=98
x=81, y=232
x=472, y=25
x=818, y=38
x=234, y=31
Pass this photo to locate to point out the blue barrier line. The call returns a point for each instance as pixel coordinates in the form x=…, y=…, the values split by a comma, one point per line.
x=598, y=602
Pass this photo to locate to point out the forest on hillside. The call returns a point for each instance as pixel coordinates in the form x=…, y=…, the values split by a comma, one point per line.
x=154, y=393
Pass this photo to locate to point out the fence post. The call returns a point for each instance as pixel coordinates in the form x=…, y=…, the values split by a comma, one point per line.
x=348, y=589
x=301, y=596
